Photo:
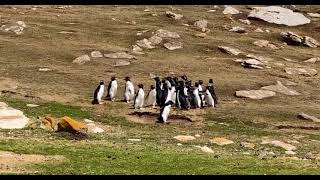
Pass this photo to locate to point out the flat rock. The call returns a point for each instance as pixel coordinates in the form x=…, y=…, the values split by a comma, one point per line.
x=309, y=72
x=245, y=21
x=255, y=94
x=290, y=83
x=279, y=15
x=314, y=15
x=119, y=55
x=166, y=34
x=238, y=29
x=308, y=117
x=312, y=60
x=265, y=43
x=94, y=129
x=184, y=138
x=137, y=50
x=247, y=145
x=258, y=30
x=96, y=54
x=229, y=50
x=297, y=40
x=201, y=24
x=81, y=59
x=32, y=105
x=174, y=15
x=310, y=42
x=135, y=140
x=286, y=146
x=88, y=121
x=202, y=35
x=230, y=10
x=205, y=149
x=11, y=118
x=155, y=40
x=211, y=10
x=173, y=45
x=221, y=141
x=280, y=88
x=122, y=63
x=17, y=27
x=44, y=69
x=145, y=43
x=251, y=63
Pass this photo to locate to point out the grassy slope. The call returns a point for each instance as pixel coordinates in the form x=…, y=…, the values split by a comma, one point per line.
x=41, y=46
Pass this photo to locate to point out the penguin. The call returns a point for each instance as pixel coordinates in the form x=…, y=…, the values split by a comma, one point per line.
x=98, y=93
x=112, y=89
x=202, y=93
x=129, y=90
x=213, y=94
x=197, y=98
x=158, y=90
x=168, y=81
x=152, y=97
x=164, y=112
x=209, y=98
x=165, y=95
x=182, y=96
x=139, y=98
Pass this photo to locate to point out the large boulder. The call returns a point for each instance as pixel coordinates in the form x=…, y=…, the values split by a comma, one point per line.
x=255, y=94
x=11, y=118
x=302, y=71
x=279, y=15
x=280, y=88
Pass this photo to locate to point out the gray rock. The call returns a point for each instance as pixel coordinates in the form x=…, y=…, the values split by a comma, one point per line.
x=166, y=34
x=238, y=29
x=295, y=39
x=96, y=54
x=265, y=43
x=280, y=88
x=313, y=60
x=81, y=59
x=279, y=15
x=302, y=71
x=255, y=94
x=308, y=117
x=173, y=45
x=201, y=24
x=11, y=118
x=251, y=63
x=122, y=63
x=231, y=51
x=245, y=21
x=230, y=10
x=119, y=55
x=174, y=15
x=16, y=28
x=145, y=43
x=155, y=40
x=137, y=50
x=310, y=42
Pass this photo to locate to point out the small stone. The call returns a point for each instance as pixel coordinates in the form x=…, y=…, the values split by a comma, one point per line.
x=179, y=144
x=281, y=144
x=88, y=121
x=173, y=45
x=197, y=135
x=166, y=34
x=221, y=141
x=205, y=149
x=96, y=54
x=290, y=152
x=32, y=105
x=259, y=30
x=230, y=10
x=255, y=94
x=238, y=29
x=211, y=10
x=184, y=138
x=231, y=51
x=280, y=88
x=81, y=60
x=201, y=24
x=309, y=72
x=202, y=35
x=119, y=55
x=45, y=69
x=135, y=140
x=122, y=63
x=247, y=145
x=313, y=60
x=245, y=21
x=314, y=15
x=174, y=15
x=145, y=43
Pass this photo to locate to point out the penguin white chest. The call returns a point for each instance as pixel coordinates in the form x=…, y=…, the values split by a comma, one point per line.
x=152, y=98
x=113, y=89
x=165, y=113
x=100, y=93
x=129, y=92
x=209, y=99
x=197, y=97
x=139, y=99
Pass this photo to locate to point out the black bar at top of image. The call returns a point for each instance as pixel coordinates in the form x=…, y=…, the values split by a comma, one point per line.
x=159, y=2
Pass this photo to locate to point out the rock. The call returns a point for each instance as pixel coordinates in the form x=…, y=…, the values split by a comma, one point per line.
x=154, y=14
x=259, y=58
x=247, y=145
x=137, y=50
x=167, y=34
x=184, y=138
x=119, y=55
x=313, y=60
x=281, y=144
x=259, y=30
x=205, y=149
x=201, y=24
x=145, y=43
x=238, y=29
x=185, y=24
x=290, y=83
x=245, y=21
x=44, y=69
x=88, y=121
x=278, y=15
x=70, y=125
x=231, y=51
x=255, y=94
x=297, y=40
x=94, y=129
x=251, y=63
x=289, y=60
x=146, y=10
x=16, y=27
x=314, y=15
x=173, y=15
x=32, y=105
x=309, y=72
x=230, y=10
x=202, y=35
x=122, y=63
x=155, y=40
x=308, y=117
x=81, y=60
x=197, y=135
x=179, y=144
x=11, y=118
x=211, y=10
x=290, y=152
x=265, y=43
x=96, y=54
x=280, y=88
x=278, y=64
x=173, y=45
x=65, y=32
x=221, y=141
